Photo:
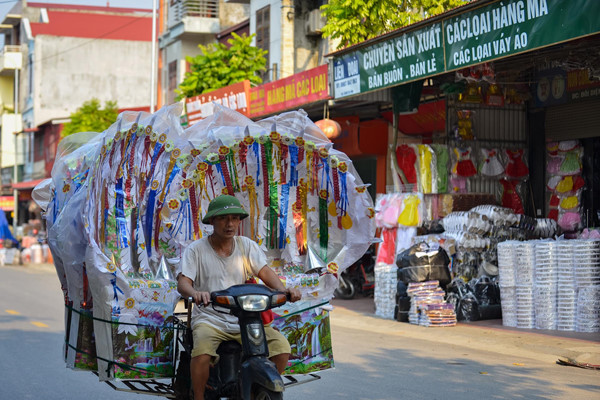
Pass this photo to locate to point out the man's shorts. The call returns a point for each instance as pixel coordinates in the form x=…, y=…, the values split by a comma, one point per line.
x=207, y=339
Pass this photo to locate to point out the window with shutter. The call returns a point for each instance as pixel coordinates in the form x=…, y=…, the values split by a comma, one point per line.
x=262, y=36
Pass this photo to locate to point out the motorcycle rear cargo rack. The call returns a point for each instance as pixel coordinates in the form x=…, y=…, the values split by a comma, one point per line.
x=290, y=380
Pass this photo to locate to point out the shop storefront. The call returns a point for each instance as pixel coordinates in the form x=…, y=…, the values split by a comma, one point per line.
x=516, y=158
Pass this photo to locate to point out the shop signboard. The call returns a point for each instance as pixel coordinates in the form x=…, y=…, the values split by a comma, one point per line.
x=557, y=86
x=496, y=30
x=411, y=56
x=234, y=96
x=291, y=92
x=7, y=203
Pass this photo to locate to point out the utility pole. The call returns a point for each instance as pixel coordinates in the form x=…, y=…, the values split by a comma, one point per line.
x=153, y=67
x=15, y=174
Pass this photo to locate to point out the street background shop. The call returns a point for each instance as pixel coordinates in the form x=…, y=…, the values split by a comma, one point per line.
x=515, y=160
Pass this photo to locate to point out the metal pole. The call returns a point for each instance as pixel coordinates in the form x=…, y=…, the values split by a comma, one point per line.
x=153, y=73
x=15, y=177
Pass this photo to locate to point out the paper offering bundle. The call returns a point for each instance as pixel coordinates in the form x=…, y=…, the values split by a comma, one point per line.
x=141, y=194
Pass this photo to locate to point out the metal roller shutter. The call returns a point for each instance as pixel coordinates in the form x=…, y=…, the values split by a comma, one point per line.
x=573, y=121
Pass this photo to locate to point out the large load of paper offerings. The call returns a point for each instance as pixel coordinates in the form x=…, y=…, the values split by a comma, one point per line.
x=123, y=204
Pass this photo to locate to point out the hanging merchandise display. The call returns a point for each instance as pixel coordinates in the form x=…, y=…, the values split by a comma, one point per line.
x=442, y=160
x=464, y=129
x=127, y=201
x=516, y=167
x=565, y=183
x=398, y=215
x=490, y=165
x=510, y=195
x=427, y=169
x=462, y=162
x=407, y=161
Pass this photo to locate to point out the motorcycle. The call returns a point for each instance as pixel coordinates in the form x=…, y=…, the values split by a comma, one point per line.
x=244, y=371
x=358, y=278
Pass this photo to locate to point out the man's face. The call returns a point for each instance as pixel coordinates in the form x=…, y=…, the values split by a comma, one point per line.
x=226, y=226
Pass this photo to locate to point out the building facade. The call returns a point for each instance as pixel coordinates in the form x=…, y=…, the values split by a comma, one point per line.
x=55, y=58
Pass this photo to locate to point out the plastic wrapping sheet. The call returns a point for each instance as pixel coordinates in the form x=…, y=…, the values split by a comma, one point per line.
x=422, y=263
x=588, y=309
x=71, y=243
x=428, y=307
x=385, y=290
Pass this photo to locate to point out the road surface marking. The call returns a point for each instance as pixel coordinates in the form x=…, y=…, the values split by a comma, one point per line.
x=13, y=312
x=39, y=324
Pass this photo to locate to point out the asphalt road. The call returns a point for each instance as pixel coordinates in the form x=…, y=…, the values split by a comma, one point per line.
x=375, y=359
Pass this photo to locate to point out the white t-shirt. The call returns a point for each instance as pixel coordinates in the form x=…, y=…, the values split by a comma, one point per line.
x=210, y=272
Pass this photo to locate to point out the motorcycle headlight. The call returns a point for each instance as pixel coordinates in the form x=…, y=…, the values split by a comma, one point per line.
x=254, y=302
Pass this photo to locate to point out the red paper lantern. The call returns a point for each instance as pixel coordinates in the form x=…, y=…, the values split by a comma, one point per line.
x=330, y=128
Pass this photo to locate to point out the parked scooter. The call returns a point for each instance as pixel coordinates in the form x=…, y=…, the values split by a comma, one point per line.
x=244, y=371
x=358, y=278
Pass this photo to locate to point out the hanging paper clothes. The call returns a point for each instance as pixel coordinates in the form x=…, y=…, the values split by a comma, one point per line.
x=410, y=214
x=442, y=159
x=510, y=196
x=516, y=167
x=490, y=165
x=407, y=157
x=571, y=164
x=386, y=252
x=553, y=165
x=569, y=203
x=458, y=185
x=426, y=169
x=565, y=185
x=463, y=165
x=570, y=221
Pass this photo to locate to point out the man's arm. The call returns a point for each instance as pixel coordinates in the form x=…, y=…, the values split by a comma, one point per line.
x=271, y=279
x=185, y=287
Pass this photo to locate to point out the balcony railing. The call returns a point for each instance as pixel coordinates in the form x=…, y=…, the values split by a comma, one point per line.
x=179, y=9
x=10, y=59
x=11, y=48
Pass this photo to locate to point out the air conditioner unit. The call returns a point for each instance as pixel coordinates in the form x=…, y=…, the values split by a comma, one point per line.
x=315, y=23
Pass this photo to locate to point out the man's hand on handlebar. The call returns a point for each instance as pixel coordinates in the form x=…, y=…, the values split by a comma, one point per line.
x=201, y=298
x=293, y=294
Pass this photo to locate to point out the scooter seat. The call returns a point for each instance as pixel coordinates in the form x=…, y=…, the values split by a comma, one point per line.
x=229, y=347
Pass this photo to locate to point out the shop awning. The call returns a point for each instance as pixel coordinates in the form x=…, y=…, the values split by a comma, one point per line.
x=26, y=184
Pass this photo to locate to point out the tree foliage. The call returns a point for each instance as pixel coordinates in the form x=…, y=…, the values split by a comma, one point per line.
x=354, y=21
x=90, y=117
x=219, y=66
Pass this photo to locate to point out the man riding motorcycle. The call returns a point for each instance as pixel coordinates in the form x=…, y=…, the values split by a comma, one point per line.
x=216, y=263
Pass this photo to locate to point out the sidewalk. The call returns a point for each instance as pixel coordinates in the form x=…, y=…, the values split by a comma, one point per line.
x=489, y=335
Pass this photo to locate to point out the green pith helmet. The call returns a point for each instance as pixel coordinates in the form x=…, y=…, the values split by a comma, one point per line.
x=224, y=205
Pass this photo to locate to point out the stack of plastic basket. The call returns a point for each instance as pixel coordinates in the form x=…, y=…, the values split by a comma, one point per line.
x=567, y=289
x=386, y=285
x=524, y=278
x=506, y=280
x=587, y=278
x=546, y=284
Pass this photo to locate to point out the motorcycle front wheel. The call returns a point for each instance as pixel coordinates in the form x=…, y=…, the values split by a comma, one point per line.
x=261, y=393
x=345, y=289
